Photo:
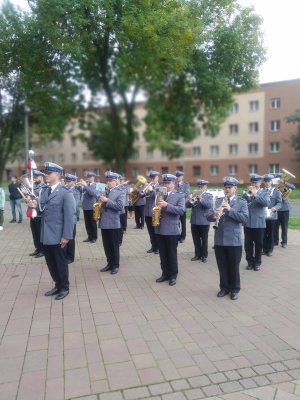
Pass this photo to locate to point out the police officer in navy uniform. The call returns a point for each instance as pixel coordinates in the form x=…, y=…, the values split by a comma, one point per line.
x=257, y=199
x=113, y=205
x=182, y=187
x=172, y=207
x=89, y=199
x=35, y=223
x=149, y=194
x=231, y=212
x=70, y=181
x=283, y=219
x=275, y=205
x=58, y=208
x=139, y=209
x=200, y=206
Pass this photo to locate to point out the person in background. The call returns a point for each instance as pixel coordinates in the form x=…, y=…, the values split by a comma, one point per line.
x=35, y=223
x=112, y=207
x=231, y=212
x=257, y=199
x=2, y=206
x=89, y=199
x=283, y=219
x=182, y=187
x=150, y=194
x=15, y=198
x=123, y=216
x=70, y=181
x=200, y=205
x=168, y=231
x=271, y=217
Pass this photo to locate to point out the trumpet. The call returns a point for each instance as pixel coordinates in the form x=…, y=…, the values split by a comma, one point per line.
x=196, y=196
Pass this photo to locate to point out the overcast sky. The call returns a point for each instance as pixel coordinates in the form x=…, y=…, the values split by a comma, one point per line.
x=282, y=32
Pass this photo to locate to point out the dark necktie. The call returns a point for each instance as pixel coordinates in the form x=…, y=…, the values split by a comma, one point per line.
x=49, y=190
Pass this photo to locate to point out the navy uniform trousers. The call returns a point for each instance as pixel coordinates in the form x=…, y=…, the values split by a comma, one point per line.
x=167, y=245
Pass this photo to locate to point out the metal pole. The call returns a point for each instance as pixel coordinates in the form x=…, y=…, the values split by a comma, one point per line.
x=26, y=131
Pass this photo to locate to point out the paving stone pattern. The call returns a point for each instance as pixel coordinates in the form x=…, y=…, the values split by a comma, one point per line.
x=125, y=337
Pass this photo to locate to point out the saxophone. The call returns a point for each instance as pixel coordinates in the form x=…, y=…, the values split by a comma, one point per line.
x=98, y=208
x=156, y=216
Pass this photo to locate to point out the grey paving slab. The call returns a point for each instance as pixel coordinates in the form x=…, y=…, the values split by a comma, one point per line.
x=127, y=337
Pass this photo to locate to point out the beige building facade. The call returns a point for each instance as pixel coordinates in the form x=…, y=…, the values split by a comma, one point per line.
x=255, y=138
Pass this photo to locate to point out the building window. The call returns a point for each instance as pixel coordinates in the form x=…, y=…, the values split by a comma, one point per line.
x=275, y=103
x=164, y=170
x=74, y=171
x=214, y=150
x=274, y=147
x=253, y=148
x=85, y=156
x=73, y=141
x=196, y=170
x=149, y=155
x=232, y=169
x=214, y=170
x=61, y=157
x=233, y=129
x=274, y=168
x=163, y=153
x=275, y=126
x=135, y=172
x=135, y=155
x=254, y=105
x=233, y=149
x=196, y=151
x=253, y=127
x=252, y=168
x=74, y=157
x=235, y=108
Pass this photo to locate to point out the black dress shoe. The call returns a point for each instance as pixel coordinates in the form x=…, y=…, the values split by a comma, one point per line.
x=39, y=255
x=19, y=222
x=61, y=294
x=114, y=271
x=52, y=292
x=34, y=253
x=204, y=259
x=162, y=279
x=222, y=293
x=249, y=266
x=256, y=268
x=69, y=261
x=86, y=240
x=234, y=295
x=13, y=220
x=172, y=282
x=156, y=252
x=181, y=240
x=151, y=250
x=283, y=245
x=93, y=241
x=105, y=269
x=276, y=244
x=263, y=253
x=269, y=254
x=195, y=258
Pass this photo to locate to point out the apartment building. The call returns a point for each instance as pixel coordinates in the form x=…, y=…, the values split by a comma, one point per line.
x=255, y=138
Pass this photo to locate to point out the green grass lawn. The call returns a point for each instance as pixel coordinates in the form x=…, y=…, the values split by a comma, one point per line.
x=294, y=223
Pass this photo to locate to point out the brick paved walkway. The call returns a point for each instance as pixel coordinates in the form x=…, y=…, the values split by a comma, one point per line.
x=125, y=337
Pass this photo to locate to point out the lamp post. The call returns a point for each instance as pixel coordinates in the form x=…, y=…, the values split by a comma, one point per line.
x=26, y=131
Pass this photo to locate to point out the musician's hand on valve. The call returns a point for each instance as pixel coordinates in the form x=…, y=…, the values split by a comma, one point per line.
x=162, y=203
x=103, y=199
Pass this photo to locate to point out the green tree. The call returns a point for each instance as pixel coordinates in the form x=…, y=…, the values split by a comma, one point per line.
x=184, y=58
x=29, y=75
